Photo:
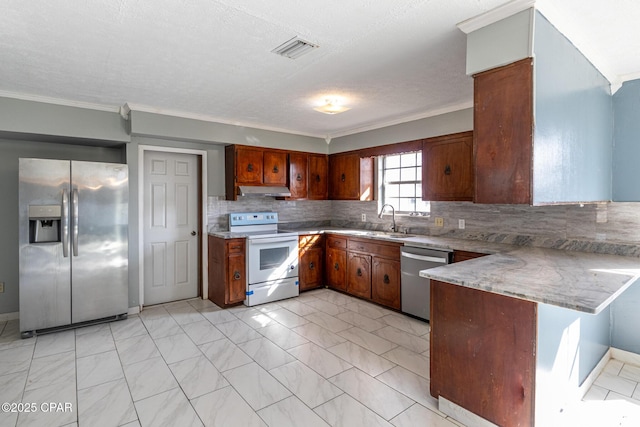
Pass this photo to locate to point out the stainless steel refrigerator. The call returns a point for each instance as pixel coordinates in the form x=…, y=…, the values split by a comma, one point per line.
x=73, y=242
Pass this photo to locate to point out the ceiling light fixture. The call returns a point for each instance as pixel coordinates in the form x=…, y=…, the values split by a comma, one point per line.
x=332, y=106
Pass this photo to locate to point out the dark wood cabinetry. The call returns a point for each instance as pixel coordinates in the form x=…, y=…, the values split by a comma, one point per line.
x=336, y=268
x=227, y=271
x=318, y=184
x=447, y=168
x=297, y=179
x=385, y=282
x=503, y=134
x=359, y=275
x=350, y=177
x=483, y=350
x=311, y=265
x=248, y=166
x=459, y=256
x=275, y=167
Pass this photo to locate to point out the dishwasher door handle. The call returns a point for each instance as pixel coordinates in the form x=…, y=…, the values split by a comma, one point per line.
x=424, y=258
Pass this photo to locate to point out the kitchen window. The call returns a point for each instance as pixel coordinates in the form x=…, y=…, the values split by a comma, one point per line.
x=401, y=183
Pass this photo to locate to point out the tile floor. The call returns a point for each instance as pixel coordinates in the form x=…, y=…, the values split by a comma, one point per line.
x=320, y=359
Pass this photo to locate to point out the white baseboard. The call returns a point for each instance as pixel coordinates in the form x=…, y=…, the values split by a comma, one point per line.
x=134, y=310
x=625, y=356
x=593, y=375
x=461, y=414
x=4, y=317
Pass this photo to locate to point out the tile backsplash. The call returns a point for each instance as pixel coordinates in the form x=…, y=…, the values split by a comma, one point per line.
x=604, y=227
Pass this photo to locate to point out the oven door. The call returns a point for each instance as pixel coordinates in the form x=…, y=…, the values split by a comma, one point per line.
x=272, y=258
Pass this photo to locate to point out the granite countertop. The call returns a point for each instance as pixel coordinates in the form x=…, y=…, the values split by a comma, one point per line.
x=581, y=281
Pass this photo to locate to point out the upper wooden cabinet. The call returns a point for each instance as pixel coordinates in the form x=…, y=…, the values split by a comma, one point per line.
x=447, y=168
x=305, y=174
x=350, y=177
x=275, y=167
x=503, y=134
x=318, y=183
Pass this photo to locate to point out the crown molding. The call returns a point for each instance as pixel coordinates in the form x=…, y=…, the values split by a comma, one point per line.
x=426, y=114
x=495, y=15
x=59, y=101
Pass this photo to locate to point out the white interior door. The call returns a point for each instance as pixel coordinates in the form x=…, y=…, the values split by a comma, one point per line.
x=170, y=226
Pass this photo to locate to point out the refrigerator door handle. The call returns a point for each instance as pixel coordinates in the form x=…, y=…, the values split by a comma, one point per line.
x=74, y=207
x=65, y=223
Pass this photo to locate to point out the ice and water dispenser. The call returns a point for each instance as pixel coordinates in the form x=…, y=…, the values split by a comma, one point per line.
x=44, y=223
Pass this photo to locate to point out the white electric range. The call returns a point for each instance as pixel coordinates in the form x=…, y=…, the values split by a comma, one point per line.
x=271, y=258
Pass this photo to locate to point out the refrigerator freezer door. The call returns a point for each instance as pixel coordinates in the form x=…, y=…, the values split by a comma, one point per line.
x=100, y=246
x=45, y=287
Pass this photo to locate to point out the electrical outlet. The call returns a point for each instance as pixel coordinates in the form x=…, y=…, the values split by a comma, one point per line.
x=461, y=224
x=364, y=217
x=439, y=221
x=1, y=287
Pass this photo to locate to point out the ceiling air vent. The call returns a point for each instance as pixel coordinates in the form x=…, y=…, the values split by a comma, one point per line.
x=294, y=48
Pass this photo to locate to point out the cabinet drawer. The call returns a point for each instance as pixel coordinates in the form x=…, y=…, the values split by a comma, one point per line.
x=337, y=242
x=235, y=246
x=375, y=248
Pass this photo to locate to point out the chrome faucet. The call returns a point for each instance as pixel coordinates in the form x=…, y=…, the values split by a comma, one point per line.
x=393, y=215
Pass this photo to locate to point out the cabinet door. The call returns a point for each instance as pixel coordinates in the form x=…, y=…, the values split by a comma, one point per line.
x=236, y=278
x=336, y=268
x=318, y=173
x=298, y=164
x=503, y=134
x=359, y=275
x=248, y=166
x=275, y=167
x=310, y=268
x=344, y=177
x=459, y=256
x=385, y=282
x=447, y=168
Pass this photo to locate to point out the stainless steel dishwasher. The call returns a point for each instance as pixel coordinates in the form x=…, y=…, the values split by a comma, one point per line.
x=415, y=290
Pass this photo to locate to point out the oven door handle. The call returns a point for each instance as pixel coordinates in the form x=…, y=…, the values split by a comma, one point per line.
x=273, y=240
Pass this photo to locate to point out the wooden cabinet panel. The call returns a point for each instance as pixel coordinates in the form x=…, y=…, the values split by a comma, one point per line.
x=483, y=349
x=350, y=177
x=311, y=265
x=336, y=268
x=459, y=256
x=236, y=279
x=227, y=276
x=249, y=166
x=385, y=282
x=275, y=167
x=447, y=168
x=503, y=134
x=375, y=247
x=297, y=179
x=318, y=184
x=359, y=275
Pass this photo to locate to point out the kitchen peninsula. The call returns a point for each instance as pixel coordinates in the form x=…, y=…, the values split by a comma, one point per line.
x=517, y=336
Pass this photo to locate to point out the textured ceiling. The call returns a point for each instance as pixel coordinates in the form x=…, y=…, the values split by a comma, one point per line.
x=389, y=60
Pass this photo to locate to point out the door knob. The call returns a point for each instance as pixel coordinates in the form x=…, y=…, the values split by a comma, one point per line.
x=386, y=279
x=193, y=233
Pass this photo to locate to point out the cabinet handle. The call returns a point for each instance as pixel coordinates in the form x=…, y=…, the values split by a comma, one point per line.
x=343, y=177
x=336, y=266
x=299, y=178
x=275, y=169
x=250, y=167
x=359, y=272
x=311, y=266
x=236, y=247
x=236, y=275
x=317, y=178
x=386, y=279
x=447, y=170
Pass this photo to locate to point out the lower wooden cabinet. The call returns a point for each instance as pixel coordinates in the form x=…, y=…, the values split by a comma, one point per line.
x=385, y=282
x=359, y=275
x=311, y=263
x=336, y=269
x=227, y=271
x=459, y=256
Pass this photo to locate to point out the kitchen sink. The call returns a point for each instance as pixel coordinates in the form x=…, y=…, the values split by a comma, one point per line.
x=388, y=235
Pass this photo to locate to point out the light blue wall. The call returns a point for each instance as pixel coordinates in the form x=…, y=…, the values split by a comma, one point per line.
x=625, y=318
x=626, y=151
x=573, y=122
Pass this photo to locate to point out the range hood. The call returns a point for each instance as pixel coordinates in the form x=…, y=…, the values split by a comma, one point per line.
x=250, y=190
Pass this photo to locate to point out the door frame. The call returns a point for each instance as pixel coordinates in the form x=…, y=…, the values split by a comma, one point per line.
x=203, y=225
